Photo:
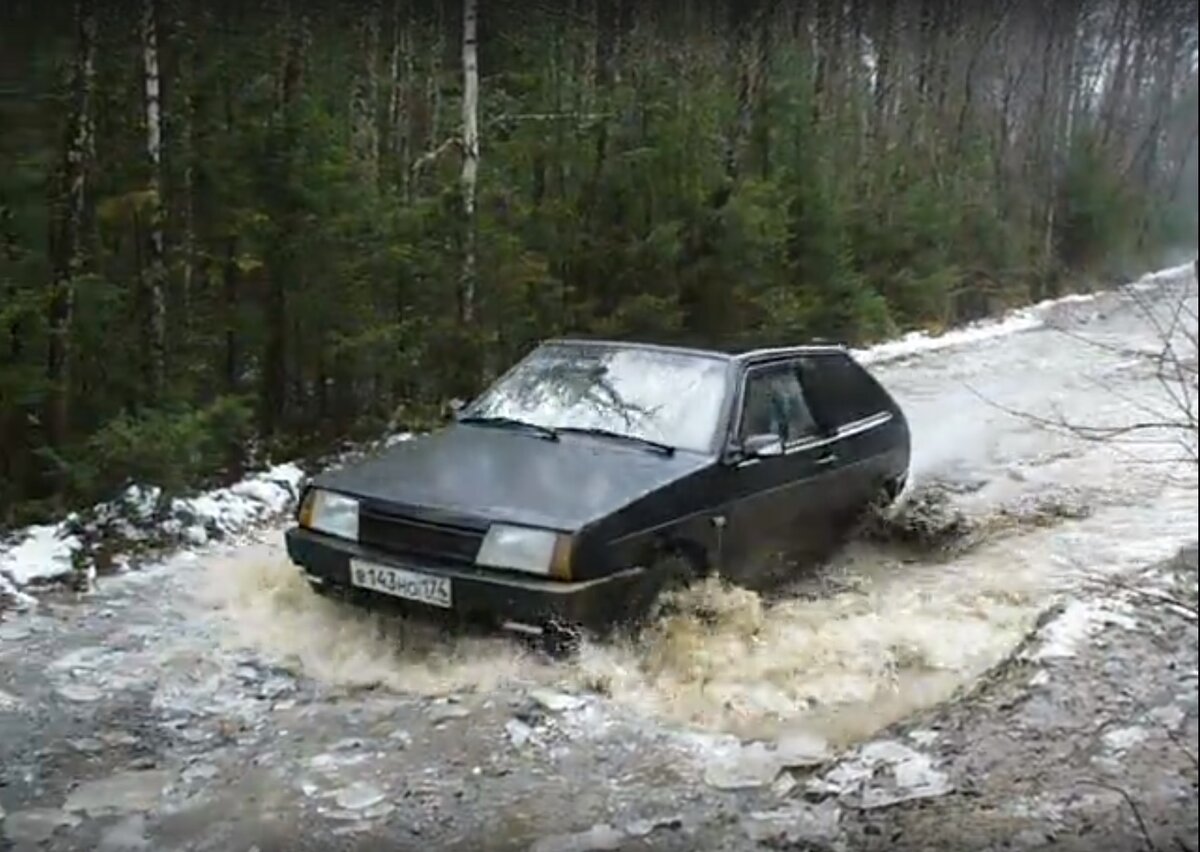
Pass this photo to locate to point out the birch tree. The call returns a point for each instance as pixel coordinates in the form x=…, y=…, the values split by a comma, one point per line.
x=364, y=102
x=470, y=155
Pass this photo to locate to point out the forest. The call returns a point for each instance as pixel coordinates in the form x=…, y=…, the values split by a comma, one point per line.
x=237, y=231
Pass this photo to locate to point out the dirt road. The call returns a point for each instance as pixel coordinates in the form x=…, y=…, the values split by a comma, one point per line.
x=212, y=703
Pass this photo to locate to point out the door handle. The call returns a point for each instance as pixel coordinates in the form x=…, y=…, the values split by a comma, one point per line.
x=827, y=459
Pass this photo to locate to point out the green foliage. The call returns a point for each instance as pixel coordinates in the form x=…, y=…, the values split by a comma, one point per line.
x=174, y=449
x=1096, y=208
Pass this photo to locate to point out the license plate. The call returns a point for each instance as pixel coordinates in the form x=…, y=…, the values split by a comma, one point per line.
x=409, y=585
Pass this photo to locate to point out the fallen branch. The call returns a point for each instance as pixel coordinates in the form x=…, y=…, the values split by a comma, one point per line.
x=1179, y=607
x=434, y=154
x=1137, y=813
x=1088, y=433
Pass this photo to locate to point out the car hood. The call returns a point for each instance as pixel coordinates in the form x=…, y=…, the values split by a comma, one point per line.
x=501, y=475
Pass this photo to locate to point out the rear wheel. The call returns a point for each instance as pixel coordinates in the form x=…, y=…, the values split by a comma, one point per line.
x=871, y=521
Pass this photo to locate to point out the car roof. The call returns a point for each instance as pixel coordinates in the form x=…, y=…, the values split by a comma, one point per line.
x=730, y=353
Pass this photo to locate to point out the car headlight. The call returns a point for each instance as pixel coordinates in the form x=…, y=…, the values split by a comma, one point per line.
x=525, y=549
x=330, y=513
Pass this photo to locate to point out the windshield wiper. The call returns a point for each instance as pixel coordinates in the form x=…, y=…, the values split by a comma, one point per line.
x=656, y=446
x=512, y=423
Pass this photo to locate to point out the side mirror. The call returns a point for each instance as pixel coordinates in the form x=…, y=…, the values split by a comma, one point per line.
x=762, y=446
x=454, y=408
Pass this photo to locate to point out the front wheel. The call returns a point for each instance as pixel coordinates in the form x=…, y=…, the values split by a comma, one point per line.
x=671, y=573
x=560, y=640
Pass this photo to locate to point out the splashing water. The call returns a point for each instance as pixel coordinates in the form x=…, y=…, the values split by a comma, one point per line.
x=271, y=607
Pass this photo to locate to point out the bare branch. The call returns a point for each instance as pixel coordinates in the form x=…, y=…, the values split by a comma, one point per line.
x=434, y=154
x=1137, y=813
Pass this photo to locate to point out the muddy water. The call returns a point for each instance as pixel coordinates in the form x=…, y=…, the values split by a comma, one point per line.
x=892, y=624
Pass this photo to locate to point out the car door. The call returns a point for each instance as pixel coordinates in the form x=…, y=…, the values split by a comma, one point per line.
x=868, y=437
x=774, y=517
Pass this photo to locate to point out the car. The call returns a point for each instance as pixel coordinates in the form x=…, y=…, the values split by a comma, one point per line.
x=594, y=475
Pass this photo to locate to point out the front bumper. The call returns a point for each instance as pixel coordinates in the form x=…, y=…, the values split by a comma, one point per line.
x=477, y=593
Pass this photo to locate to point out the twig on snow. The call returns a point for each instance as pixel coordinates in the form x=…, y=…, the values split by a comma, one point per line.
x=1137, y=813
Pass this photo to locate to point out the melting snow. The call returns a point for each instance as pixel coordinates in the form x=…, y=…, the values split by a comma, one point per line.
x=44, y=552
x=1078, y=623
x=1121, y=739
x=884, y=773
x=1014, y=322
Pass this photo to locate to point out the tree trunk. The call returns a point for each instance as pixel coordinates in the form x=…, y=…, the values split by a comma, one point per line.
x=762, y=89
x=232, y=366
x=401, y=71
x=433, y=82
x=822, y=84
x=1116, y=86
x=470, y=155
x=66, y=239
x=155, y=271
x=883, y=69
x=283, y=264
x=365, y=98
x=738, y=61
x=187, y=135
x=230, y=272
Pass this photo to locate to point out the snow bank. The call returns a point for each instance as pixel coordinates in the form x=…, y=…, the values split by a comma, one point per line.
x=231, y=510
x=44, y=551
x=140, y=515
x=1014, y=322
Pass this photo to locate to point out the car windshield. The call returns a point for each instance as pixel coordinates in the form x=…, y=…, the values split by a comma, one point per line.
x=656, y=395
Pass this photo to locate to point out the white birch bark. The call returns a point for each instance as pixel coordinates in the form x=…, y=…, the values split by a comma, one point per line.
x=470, y=153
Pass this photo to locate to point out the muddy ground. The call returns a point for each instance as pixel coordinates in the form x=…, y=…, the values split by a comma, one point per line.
x=1083, y=739
x=1097, y=705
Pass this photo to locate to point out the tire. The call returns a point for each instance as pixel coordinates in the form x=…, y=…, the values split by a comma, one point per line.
x=670, y=573
x=894, y=487
x=560, y=640
x=869, y=521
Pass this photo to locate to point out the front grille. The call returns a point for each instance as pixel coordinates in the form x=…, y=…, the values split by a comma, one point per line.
x=406, y=536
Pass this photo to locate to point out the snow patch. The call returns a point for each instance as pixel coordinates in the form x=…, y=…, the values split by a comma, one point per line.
x=10, y=595
x=1016, y=321
x=231, y=510
x=43, y=553
x=1077, y=624
x=1122, y=739
x=884, y=773
x=917, y=342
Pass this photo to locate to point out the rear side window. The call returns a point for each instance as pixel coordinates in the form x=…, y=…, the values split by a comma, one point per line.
x=775, y=404
x=840, y=390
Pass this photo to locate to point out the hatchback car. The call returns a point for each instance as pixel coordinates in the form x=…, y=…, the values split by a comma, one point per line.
x=594, y=475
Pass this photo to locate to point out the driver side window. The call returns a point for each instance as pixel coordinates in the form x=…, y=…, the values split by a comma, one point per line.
x=774, y=404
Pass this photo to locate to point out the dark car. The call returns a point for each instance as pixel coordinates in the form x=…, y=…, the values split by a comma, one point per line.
x=593, y=475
